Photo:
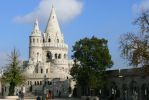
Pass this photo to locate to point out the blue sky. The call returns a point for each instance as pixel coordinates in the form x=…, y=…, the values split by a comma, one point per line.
x=83, y=18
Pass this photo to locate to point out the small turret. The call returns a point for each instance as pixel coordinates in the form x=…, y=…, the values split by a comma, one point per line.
x=36, y=31
x=36, y=41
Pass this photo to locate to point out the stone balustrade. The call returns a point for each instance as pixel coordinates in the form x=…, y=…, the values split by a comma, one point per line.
x=56, y=45
x=60, y=61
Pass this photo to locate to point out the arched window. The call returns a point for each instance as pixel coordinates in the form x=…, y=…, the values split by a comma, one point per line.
x=49, y=56
x=37, y=54
x=59, y=56
x=57, y=40
x=56, y=56
x=133, y=87
x=49, y=83
x=28, y=82
x=40, y=83
x=37, y=40
x=65, y=56
x=33, y=40
x=125, y=91
x=144, y=90
x=114, y=89
x=49, y=40
x=41, y=70
x=35, y=82
x=46, y=70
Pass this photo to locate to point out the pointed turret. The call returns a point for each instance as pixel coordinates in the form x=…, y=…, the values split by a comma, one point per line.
x=36, y=31
x=35, y=44
x=53, y=25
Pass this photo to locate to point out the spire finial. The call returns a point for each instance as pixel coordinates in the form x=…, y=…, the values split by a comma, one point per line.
x=52, y=6
x=36, y=30
x=36, y=26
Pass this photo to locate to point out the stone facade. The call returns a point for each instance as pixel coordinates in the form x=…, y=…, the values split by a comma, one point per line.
x=128, y=84
x=124, y=84
x=48, y=65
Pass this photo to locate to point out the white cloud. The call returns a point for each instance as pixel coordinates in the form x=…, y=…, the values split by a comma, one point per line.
x=66, y=10
x=143, y=6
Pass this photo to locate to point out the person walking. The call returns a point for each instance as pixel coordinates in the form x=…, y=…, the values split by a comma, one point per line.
x=21, y=95
x=38, y=98
x=17, y=92
x=49, y=95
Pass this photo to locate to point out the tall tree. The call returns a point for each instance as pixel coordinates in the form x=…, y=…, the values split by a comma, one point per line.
x=92, y=58
x=13, y=74
x=135, y=46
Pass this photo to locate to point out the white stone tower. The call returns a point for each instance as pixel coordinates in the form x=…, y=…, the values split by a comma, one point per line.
x=35, y=44
x=54, y=41
x=48, y=58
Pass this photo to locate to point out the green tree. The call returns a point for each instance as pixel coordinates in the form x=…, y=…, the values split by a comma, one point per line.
x=134, y=46
x=91, y=59
x=13, y=74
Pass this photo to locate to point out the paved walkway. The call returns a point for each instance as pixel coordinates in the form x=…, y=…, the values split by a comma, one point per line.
x=52, y=99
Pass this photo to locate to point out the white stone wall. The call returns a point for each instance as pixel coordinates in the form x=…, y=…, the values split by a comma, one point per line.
x=35, y=48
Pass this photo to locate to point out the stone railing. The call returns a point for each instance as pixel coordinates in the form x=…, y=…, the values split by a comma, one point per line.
x=56, y=45
x=60, y=61
x=37, y=75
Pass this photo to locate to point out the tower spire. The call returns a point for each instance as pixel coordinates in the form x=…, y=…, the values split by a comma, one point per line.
x=36, y=30
x=36, y=26
x=53, y=25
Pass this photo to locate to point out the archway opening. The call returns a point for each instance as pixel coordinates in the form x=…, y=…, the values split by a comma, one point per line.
x=49, y=56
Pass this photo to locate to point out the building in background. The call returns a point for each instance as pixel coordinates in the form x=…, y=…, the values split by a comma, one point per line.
x=125, y=84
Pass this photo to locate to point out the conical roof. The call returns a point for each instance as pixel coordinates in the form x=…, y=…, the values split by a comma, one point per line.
x=53, y=25
x=36, y=31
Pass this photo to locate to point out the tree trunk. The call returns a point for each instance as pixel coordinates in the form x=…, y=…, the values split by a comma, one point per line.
x=11, y=89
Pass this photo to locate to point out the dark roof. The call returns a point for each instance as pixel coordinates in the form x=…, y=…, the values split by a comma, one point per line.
x=132, y=72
